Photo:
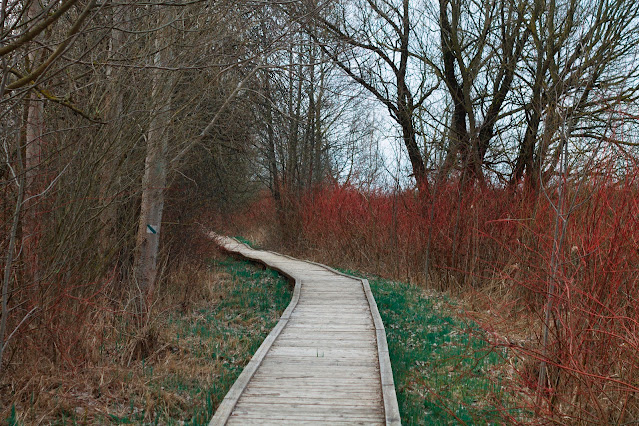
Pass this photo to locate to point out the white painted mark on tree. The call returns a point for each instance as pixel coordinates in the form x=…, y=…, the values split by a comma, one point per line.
x=151, y=229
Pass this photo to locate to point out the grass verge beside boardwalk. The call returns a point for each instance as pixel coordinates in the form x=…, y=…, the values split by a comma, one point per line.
x=231, y=332
x=209, y=322
x=444, y=372
x=213, y=343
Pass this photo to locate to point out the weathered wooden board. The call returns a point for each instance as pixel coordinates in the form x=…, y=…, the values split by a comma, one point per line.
x=323, y=363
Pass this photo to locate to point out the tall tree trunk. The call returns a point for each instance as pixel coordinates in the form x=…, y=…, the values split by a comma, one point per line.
x=34, y=131
x=154, y=182
x=13, y=233
x=409, y=136
x=294, y=157
x=405, y=103
x=525, y=164
x=271, y=153
x=457, y=142
x=458, y=138
x=309, y=132
x=319, y=169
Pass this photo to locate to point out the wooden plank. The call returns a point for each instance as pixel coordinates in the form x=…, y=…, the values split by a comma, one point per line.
x=335, y=335
x=309, y=384
x=333, y=319
x=332, y=327
x=303, y=411
x=345, y=400
x=333, y=295
x=321, y=313
x=326, y=319
x=300, y=342
x=306, y=376
x=326, y=387
x=356, y=308
x=312, y=352
x=367, y=408
x=319, y=394
x=301, y=372
x=329, y=363
x=319, y=322
x=276, y=422
x=327, y=343
x=328, y=417
x=333, y=298
x=293, y=338
x=332, y=366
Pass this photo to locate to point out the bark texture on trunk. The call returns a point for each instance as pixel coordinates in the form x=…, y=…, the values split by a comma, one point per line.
x=153, y=184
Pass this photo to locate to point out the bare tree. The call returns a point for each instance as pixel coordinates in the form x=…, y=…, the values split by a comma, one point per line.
x=581, y=57
x=155, y=168
x=481, y=44
x=374, y=42
x=306, y=110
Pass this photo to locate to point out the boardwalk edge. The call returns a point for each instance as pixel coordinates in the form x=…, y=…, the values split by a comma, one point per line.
x=227, y=405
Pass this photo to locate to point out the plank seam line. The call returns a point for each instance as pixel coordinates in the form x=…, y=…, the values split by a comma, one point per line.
x=227, y=405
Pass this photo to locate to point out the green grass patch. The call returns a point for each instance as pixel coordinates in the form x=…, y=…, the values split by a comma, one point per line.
x=247, y=242
x=227, y=334
x=444, y=371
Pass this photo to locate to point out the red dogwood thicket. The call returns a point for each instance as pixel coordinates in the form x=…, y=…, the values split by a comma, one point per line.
x=505, y=242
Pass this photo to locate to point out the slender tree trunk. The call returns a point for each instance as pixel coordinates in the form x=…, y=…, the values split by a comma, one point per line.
x=555, y=263
x=409, y=136
x=153, y=183
x=525, y=166
x=34, y=130
x=114, y=111
x=271, y=153
x=33, y=173
x=405, y=103
x=319, y=170
x=6, y=281
x=294, y=157
x=309, y=148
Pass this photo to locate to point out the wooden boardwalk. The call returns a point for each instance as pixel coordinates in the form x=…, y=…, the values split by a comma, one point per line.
x=325, y=362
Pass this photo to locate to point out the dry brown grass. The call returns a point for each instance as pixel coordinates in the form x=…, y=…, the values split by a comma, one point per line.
x=179, y=367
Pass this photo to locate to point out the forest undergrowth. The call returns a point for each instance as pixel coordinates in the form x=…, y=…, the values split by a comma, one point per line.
x=555, y=287
x=210, y=317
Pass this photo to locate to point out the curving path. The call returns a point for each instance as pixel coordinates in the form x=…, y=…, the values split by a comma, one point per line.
x=325, y=362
